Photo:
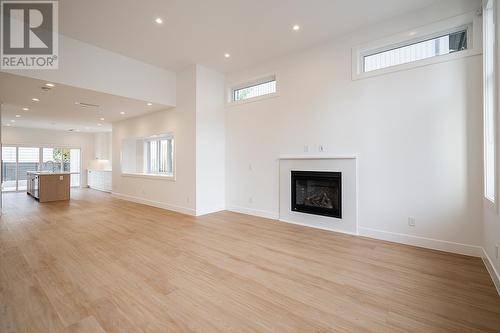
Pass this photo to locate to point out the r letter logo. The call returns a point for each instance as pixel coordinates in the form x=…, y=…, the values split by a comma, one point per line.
x=29, y=35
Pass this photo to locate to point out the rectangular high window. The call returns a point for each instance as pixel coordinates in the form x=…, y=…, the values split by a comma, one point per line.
x=262, y=87
x=416, y=50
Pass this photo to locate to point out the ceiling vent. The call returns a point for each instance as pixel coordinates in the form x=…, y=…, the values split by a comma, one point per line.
x=45, y=88
x=87, y=105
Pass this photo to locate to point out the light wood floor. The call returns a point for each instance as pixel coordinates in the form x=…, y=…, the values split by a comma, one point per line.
x=98, y=264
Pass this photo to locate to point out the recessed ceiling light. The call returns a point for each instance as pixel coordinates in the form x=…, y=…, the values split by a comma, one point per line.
x=12, y=121
x=123, y=112
x=26, y=109
x=35, y=100
x=296, y=27
x=8, y=124
x=102, y=119
x=99, y=124
x=87, y=128
x=227, y=55
x=77, y=130
x=159, y=20
x=149, y=104
x=18, y=116
x=50, y=85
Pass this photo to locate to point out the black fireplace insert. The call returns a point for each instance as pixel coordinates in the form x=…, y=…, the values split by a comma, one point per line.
x=317, y=192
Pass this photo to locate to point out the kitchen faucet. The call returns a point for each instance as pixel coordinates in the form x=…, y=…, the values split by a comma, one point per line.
x=52, y=165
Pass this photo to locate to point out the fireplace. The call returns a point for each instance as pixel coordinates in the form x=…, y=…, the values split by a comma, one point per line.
x=317, y=192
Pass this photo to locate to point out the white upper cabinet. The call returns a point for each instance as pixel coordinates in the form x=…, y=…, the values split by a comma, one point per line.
x=102, y=146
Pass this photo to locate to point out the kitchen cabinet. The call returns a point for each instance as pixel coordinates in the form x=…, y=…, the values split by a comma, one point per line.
x=49, y=186
x=102, y=146
x=100, y=180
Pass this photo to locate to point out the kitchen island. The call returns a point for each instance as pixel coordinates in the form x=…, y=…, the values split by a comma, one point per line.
x=48, y=186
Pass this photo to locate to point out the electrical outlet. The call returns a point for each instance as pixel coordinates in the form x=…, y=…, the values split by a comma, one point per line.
x=411, y=221
x=188, y=199
x=250, y=167
x=250, y=200
x=321, y=148
x=306, y=148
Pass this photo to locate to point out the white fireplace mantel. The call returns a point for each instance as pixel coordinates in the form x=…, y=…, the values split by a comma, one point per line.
x=346, y=164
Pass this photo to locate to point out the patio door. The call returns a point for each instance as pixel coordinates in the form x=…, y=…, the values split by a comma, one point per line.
x=17, y=160
x=28, y=159
x=9, y=168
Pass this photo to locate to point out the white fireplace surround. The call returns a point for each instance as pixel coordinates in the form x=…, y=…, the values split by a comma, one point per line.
x=347, y=165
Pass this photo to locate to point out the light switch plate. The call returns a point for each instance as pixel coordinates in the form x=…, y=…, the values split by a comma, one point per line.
x=61, y=177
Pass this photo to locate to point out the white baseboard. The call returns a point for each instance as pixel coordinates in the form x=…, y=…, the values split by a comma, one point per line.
x=209, y=211
x=319, y=227
x=178, y=209
x=99, y=189
x=254, y=212
x=429, y=243
x=491, y=269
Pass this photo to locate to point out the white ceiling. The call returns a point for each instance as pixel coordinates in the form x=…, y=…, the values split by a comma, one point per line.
x=193, y=31
x=57, y=109
x=202, y=31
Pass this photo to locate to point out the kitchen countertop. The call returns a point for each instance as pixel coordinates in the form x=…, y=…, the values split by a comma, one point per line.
x=42, y=173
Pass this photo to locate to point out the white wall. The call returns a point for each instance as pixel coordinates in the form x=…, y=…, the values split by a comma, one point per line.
x=210, y=141
x=86, y=66
x=178, y=195
x=198, y=127
x=491, y=217
x=417, y=133
x=41, y=137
